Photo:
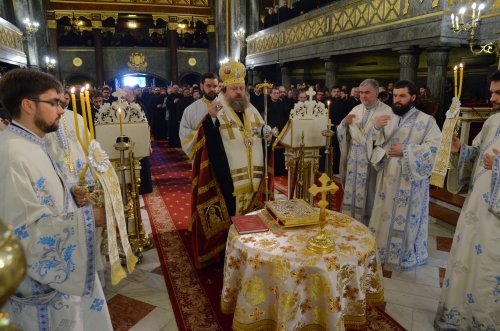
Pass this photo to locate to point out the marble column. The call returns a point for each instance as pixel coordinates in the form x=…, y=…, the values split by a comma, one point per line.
x=220, y=22
x=285, y=76
x=172, y=45
x=98, y=51
x=238, y=10
x=53, y=49
x=331, y=71
x=437, y=64
x=252, y=23
x=408, y=61
x=212, y=46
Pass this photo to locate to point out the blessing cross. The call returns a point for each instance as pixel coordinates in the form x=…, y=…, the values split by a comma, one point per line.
x=323, y=189
x=311, y=93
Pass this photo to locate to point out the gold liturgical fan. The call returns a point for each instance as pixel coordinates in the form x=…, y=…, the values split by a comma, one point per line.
x=321, y=243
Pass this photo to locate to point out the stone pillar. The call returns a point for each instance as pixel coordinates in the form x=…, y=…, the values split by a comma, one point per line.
x=172, y=44
x=220, y=23
x=212, y=46
x=238, y=15
x=285, y=76
x=257, y=78
x=53, y=49
x=408, y=61
x=98, y=52
x=437, y=64
x=253, y=19
x=331, y=70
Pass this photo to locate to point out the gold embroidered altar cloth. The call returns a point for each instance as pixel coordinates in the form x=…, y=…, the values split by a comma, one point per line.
x=273, y=282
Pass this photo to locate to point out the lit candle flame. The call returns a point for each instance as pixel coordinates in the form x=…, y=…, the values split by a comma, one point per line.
x=72, y=90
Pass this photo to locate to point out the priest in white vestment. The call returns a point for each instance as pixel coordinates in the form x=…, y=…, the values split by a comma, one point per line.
x=470, y=299
x=196, y=112
x=355, y=139
x=405, y=148
x=61, y=290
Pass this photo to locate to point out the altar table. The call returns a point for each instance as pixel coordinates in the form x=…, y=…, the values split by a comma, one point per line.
x=273, y=282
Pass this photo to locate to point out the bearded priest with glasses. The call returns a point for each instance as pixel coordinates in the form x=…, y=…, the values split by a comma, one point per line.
x=61, y=289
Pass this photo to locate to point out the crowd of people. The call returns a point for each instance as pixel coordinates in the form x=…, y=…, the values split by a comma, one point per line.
x=387, y=147
x=282, y=13
x=198, y=38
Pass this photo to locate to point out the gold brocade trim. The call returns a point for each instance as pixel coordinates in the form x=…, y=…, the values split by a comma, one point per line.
x=227, y=308
x=194, y=182
x=210, y=255
x=265, y=325
x=282, y=134
x=243, y=189
x=261, y=325
x=205, y=188
x=375, y=299
x=204, y=164
x=239, y=171
x=437, y=180
x=241, y=177
x=355, y=322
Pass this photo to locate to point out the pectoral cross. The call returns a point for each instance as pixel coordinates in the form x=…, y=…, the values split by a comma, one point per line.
x=68, y=161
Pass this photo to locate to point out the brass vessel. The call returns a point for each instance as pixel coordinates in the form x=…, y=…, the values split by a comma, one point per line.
x=12, y=269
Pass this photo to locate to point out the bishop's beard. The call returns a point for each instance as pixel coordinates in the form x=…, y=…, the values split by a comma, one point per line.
x=238, y=105
x=400, y=109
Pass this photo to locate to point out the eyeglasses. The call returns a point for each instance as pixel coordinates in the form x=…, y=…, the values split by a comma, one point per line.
x=53, y=103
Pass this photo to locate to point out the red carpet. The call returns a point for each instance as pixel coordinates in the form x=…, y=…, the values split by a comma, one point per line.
x=194, y=294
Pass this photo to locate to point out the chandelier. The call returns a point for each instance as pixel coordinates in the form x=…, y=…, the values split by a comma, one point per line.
x=459, y=25
x=30, y=27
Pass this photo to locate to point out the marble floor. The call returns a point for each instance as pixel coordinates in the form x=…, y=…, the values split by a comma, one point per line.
x=140, y=302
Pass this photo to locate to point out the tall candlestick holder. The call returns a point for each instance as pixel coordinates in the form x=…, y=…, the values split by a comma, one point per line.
x=122, y=145
x=329, y=157
x=137, y=235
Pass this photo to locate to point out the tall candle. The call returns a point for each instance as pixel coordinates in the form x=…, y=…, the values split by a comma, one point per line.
x=89, y=112
x=461, y=80
x=455, y=80
x=75, y=115
x=121, y=120
x=328, y=104
x=84, y=115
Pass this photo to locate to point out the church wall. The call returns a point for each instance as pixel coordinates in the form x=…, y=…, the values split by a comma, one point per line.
x=201, y=57
x=116, y=61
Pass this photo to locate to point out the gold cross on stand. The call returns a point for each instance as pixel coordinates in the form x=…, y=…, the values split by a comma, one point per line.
x=320, y=243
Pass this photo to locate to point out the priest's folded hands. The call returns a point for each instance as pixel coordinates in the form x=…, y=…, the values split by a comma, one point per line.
x=80, y=195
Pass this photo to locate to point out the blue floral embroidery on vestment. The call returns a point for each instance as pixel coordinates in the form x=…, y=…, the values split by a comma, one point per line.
x=476, y=325
x=57, y=257
x=478, y=249
x=97, y=304
x=59, y=302
x=486, y=197
x=400, y=220
x=470, y=298
x=452, y=317
x=42, y=193
x=434, y=149
x=496, y=290
x=21, y=232
x=402, y=198
x=382, y=195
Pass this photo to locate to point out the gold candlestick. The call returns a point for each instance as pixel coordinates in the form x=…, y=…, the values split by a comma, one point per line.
x=321, y=243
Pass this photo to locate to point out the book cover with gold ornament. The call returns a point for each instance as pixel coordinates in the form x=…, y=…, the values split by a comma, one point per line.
x=290, y=213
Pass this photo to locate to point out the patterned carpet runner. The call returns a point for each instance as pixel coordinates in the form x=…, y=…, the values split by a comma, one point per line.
x=194, y=294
